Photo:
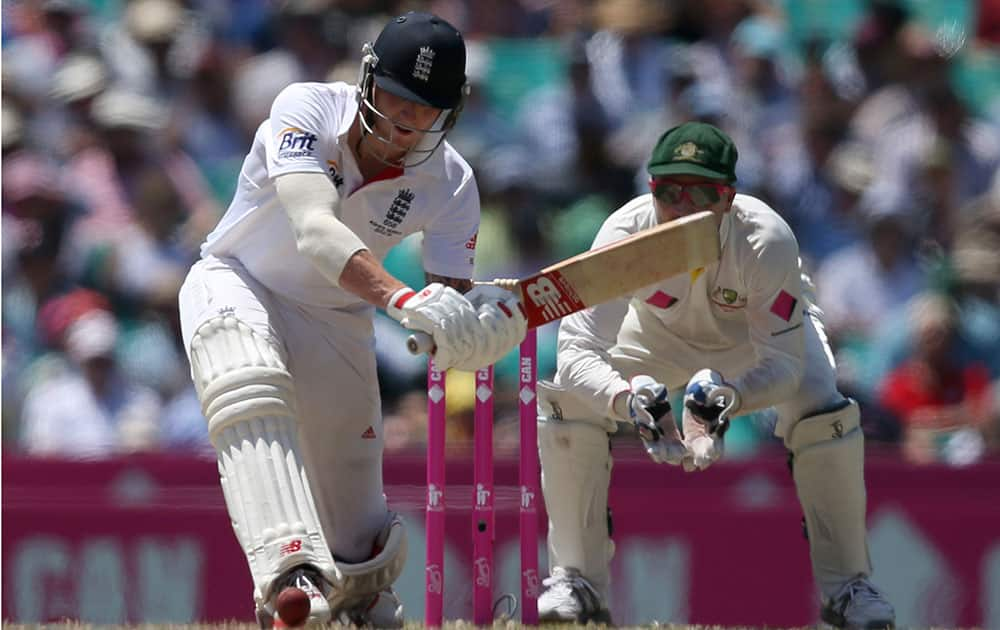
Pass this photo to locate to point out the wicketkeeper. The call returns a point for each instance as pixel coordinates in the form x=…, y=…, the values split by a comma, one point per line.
x=738, y=335
x=277, y=315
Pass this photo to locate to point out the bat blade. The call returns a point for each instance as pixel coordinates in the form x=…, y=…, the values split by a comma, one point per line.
x=620, y=268
x=609, y=272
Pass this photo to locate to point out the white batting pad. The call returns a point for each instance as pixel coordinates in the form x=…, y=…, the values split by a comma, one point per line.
x=576, y=473
x=362, y=580
x=828, y=467
x=247, y=396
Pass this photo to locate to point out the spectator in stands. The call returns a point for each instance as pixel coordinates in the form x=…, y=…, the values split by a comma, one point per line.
x=825, y=184
x=89, y=409
x=763, y=112
x=937, y=162
x=861, y=283
x=944, y=403
x=971, y=275
x=204, y=123
x=309, y=30
x=154, y=49
x=138, y=110
x=47, y=31
x=78, y=80
x=108, y=177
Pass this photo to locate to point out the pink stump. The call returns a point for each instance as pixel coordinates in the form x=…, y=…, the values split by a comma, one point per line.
x=483, y=521
x=434, y=566
x=529, y=479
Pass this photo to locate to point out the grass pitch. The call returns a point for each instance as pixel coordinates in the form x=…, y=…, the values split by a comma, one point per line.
x=450, y=625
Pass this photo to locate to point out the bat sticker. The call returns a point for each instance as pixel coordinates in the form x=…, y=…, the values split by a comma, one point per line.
x=549, y=297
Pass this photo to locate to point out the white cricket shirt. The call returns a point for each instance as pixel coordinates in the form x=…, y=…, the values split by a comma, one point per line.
x=307, y=133
x=749, y=303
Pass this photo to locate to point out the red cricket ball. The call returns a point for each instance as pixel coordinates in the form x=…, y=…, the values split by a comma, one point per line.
x=293, y=606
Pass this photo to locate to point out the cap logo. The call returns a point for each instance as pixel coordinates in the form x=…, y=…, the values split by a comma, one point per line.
x=422, y=67
x=688, y=151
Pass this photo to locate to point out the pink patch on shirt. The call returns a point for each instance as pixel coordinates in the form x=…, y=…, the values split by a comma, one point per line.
x=784, y=305
x=661, y=300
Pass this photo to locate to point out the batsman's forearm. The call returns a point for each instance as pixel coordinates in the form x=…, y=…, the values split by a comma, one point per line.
x=365, y=277
x=311, y=204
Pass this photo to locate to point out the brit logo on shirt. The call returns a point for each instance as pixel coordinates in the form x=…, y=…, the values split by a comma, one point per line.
x=295, y=143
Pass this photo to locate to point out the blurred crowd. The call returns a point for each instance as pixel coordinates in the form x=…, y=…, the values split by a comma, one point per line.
x=872, y=126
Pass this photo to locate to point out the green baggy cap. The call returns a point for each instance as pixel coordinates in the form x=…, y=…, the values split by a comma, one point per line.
x=694, y=148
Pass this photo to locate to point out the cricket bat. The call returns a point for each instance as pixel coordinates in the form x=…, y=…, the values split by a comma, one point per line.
x=611, y=271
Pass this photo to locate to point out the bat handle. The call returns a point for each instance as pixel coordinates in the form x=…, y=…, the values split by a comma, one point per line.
x=419, y=343
x=504, y=283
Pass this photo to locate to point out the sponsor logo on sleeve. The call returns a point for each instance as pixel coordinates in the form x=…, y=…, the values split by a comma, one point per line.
x=661, y=300
x=784, y=305
x=333, y=170
x=294, y=143
x=471, y=246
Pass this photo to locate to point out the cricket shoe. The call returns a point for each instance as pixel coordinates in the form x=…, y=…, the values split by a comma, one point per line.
x=309, y=582
x=570, y=597
x=383, y=610
x=858, y=605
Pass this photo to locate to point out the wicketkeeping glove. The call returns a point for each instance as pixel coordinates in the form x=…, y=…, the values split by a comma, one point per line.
x=708, y=402
x=711, y=400
x=649, y=410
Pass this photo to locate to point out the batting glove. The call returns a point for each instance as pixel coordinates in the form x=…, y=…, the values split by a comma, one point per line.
x=502, y=324
x=444, y=314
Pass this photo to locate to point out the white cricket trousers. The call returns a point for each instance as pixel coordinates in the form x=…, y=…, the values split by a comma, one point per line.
x=330, y=354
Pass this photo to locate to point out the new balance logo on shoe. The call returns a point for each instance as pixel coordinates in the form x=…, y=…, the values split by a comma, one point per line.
x=291, y=546
x=369, y=433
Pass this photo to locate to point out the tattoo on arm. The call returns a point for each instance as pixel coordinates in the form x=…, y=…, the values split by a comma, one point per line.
x=459, y=284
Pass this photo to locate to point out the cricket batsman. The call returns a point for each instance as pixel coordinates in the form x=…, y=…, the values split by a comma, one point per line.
x=277, y=316
x=737, y=336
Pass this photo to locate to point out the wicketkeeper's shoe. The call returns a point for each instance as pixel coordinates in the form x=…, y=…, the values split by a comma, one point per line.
x=858, y=605
x=570, y=597
x=383, y=610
